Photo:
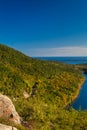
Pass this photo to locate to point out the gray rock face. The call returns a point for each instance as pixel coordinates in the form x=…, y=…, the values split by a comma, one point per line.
x=7, y=109
x=5, y=127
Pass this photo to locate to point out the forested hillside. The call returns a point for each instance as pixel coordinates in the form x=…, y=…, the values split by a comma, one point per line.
x=41, y=90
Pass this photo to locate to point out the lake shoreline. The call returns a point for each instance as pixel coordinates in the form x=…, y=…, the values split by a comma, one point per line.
x=78, y=90
x=80, y=85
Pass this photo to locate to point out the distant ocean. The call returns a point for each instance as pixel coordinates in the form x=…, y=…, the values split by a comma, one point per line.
x=69, y=60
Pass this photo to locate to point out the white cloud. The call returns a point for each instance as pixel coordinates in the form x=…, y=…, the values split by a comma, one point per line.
x=60, y=51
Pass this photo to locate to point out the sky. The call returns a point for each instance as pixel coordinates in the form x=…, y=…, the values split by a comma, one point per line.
x=45, y=27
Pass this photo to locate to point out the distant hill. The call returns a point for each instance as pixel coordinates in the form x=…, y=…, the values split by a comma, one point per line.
x=40, y=90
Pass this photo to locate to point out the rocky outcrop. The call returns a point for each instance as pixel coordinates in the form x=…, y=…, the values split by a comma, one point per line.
x=26, y=95
x=5, y=127
x=7, y=109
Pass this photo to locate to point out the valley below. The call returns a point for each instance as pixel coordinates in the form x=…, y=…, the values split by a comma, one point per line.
x=40, y=90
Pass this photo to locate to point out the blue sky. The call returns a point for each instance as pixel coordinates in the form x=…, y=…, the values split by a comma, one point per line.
x=45, y=27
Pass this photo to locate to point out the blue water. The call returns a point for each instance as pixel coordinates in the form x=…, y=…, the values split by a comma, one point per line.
x=81, y=101
x=69, y=60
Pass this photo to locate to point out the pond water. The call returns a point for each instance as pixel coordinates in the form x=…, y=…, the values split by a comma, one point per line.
x=81, y=101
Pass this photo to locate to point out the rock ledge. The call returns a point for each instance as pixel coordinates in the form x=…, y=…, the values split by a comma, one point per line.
x=7, y=109
x=5, y=127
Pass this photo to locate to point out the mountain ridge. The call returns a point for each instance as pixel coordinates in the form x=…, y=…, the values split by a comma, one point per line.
x=50, y=86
